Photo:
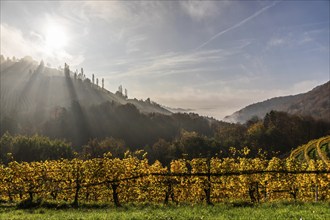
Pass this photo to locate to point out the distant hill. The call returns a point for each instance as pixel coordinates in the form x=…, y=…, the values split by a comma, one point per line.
x=315, y=103
x=59, y=103
x=28, y=85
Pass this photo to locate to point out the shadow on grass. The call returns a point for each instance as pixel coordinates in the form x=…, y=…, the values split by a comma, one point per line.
x=28, y=204
x=31, y=205
x=240, y=204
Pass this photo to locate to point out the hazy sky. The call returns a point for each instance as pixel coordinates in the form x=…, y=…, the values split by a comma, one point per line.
x=211, y=56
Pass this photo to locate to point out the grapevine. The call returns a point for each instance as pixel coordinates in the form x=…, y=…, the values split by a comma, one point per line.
x=134, y=179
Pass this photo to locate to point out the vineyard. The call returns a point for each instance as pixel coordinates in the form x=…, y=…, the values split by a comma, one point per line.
x=317, y=149
x=209, y=180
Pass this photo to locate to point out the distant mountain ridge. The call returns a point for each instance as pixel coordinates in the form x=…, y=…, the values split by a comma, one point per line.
x=315, y=103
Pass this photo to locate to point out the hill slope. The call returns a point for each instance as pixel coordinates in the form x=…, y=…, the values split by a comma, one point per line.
x=27, y=85
x=315, y=103
x=62, y=104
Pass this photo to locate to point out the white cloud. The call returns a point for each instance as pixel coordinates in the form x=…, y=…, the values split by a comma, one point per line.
x=199, y=10
x=173, y=63
x=276, y=42
x=111, y=11
x=13, y=43
x=305, y=39
x=311, y=37
x=303, y=86
x=133, y=44
x=16, y=43
x=290, y=38
x=130, y=13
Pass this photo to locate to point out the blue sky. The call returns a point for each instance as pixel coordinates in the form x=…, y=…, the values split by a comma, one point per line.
x=211, y=56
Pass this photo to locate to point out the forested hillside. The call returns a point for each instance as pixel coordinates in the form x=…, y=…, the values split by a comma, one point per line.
x=164, y=138
x=27, y=85
x=315, y=103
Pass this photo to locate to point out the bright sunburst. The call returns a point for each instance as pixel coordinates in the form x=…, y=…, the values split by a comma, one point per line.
x=55, y=38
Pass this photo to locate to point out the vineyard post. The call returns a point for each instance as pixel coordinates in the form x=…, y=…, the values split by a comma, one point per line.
x=294, y=192
x=10, y=196
x=76, y=196
x=30, y=186
x=115, y=194
x=254, y=191
x=169, y=191
x=257, y=189
x=314, y=188
x=20, y=192
x=265, y=190
x=30, y=192
x=87, y=194
x=208, y=186
x=316, y=192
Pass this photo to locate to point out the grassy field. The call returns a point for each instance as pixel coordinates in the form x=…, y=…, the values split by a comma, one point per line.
x=219, y=211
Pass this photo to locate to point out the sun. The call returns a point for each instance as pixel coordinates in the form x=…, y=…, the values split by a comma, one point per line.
x=55, y=38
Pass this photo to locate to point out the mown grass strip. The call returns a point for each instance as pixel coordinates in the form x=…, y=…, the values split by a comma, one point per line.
x=229, y=210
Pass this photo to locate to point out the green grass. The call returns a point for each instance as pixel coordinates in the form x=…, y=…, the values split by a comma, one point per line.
x=219, y=211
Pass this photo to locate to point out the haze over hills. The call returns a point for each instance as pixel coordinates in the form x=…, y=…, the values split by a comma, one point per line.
x=35, y=87
x=315, y=103
x=60, y=103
